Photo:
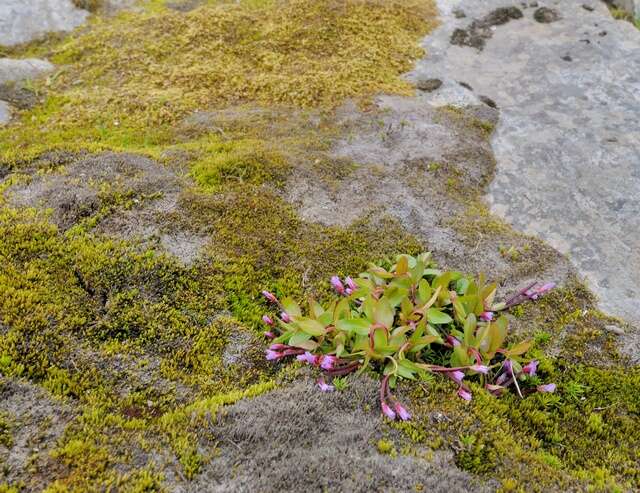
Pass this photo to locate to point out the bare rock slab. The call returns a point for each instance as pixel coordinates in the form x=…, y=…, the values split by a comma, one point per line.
x=25, y=20
x=12, y=70
x=5, y=112
x=568, y=142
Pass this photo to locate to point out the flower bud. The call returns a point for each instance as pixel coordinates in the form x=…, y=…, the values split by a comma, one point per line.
x=337, y=284
x=549, y=387
x=530, y=368
x=270, y=296
x=387, y=411
x=464, y=394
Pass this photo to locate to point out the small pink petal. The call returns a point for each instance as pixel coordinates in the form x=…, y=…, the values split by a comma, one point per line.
x=480, y=368
x=402, y=413
x=387, y=411
x=351, y=284
x=267, y=319
x=530, y=368
x=273, y=355
x=325, y=387
x=456, y=376
x=270, y=296
x=307, y=357
x=549, y=387
x=452, y=340
x=284, y=316
x=269, y=335
x=486, y=316
x=464, y=394
x=278, y=347
x=327, y=361
x=337, y=284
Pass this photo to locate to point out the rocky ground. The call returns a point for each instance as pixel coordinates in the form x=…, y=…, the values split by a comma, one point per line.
x=162, y=162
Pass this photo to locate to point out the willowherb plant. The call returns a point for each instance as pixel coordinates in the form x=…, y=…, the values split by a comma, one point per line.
x=408, y=320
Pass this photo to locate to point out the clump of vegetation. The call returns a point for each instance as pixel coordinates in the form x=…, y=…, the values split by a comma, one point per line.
x=409, y=320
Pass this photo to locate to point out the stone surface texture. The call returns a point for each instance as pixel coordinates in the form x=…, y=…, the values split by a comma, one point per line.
x=568, y=142
x=12, y=70
x=24, y=20
x=5, y=112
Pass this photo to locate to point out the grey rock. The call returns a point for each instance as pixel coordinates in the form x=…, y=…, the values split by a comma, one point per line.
x=5, y=112
x=614, y=329
x=568, y=142
x=24, y=20
x=12, y=70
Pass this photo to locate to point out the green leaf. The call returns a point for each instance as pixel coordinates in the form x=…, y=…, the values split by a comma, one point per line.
x=342, y=310
x=379, y=339
x=395, y=295
x=424, y=291
x=303, y=341
x=315, y=308
x=326, y=318
x=310, y=326
x=417, y=271
x=406, y=369
x=518, y=349
x=402, y=266
x=383, y=313
x=435, y=316
x=291, y=307
x=498, y=334
x=459, y=356
x=470, y=325
x=360, y=326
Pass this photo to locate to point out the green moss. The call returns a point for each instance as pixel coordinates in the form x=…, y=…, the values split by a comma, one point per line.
x=6, y=435
x=386, y=447
x=300, y=52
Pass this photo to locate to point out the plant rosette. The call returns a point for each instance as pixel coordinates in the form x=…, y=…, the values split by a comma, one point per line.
x=408, y=320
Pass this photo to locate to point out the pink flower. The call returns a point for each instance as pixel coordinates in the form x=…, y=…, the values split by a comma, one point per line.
x=480, y=368
x=486, y=316
x=273, y=355
x=549, y=387
x=453, y=341
x=495, y=389
x=327, y=361
x=308, y=357
x=530, y=368
x=535, y=293
x=269, y=335
x=402, y=413
x=351, y=284
x=337, y=284
x=278, y=347
x=325, y=387
x=285, y=317
x=270, y=296
x=267, y=320
x=546, y=287
x=348, y=291
x=502, y=378
x=387, y=411
x=456, y=376
x=464, y=394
